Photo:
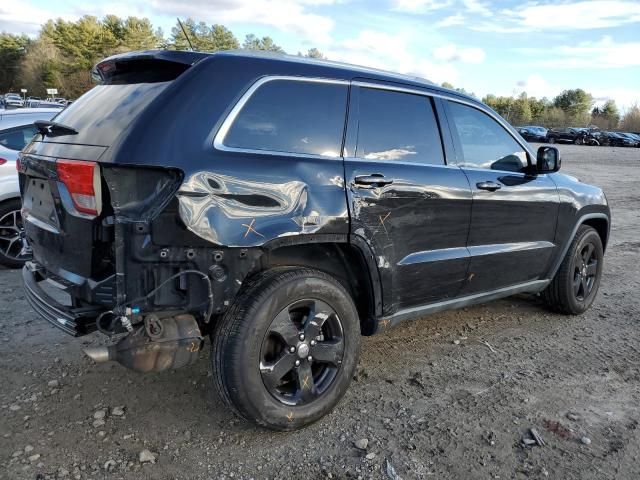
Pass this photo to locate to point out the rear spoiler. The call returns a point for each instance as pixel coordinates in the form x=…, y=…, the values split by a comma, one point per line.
x=145, y=66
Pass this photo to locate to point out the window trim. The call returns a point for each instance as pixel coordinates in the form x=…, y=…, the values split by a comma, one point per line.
x=218, y=140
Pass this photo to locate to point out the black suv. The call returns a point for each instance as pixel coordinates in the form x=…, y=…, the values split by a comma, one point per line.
x=579, y=136
x=285, y=207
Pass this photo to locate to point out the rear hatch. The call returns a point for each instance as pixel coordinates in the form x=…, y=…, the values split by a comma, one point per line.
x=67, y=188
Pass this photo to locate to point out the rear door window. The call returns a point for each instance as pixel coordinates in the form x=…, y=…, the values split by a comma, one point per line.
x=484, y=142
x=397, y=127
x=290, y=116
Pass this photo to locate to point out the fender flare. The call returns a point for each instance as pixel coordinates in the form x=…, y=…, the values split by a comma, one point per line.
x=565, y=248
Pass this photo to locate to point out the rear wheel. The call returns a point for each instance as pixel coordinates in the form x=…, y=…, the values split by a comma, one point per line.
x=285, y=353
x=551, y=140
x=578, y=141
x=574, y=288
x=14, y=250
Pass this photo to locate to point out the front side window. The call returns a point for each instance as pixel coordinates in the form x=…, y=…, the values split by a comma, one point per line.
x=485, y=143
x=17, y=138
x=396, y=126
x=292, y=117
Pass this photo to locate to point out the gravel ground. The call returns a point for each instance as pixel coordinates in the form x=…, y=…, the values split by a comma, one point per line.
x=452, y=396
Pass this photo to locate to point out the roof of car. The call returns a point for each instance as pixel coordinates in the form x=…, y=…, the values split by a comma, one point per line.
x=192, y=57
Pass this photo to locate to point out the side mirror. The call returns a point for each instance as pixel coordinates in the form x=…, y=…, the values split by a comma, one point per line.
x=548, y=160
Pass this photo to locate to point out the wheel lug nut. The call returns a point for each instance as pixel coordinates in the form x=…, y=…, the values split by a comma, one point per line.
x=313, y=342
x=310, y=358
x=301, y=336
x=292, y=349
x=297, y=363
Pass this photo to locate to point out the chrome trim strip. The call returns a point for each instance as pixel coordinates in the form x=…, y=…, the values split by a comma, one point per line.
x=427, y=256
x=473, y=251
x=417, y=312
x=218, y=141
x=482, y=250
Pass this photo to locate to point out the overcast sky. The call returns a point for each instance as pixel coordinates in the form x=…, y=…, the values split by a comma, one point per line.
x=500, y=47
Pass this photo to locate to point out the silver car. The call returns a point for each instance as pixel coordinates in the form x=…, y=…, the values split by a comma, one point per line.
x=16, y=131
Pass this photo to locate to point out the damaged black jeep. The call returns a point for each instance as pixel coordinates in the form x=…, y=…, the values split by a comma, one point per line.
x=285, y=207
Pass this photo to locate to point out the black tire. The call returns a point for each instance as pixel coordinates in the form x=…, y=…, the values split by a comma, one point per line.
x=245, y=336
x=12, y=237
x=578, y=141
x=551, y=140
x=573, y=289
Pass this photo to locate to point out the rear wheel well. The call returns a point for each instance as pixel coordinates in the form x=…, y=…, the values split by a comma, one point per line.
x=601, y=226
x=342, y=261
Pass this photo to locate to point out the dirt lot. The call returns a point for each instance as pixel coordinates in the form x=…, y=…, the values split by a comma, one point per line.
x=451, y=396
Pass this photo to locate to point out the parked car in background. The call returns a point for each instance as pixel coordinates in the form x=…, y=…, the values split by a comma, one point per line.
x=633, y=137
x=615, y=139
x=13, y=100
x=533, y=133
x=297, y=205
x=16, y=131
x=567, y=135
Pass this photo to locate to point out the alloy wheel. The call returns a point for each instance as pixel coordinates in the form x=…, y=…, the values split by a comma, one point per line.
x=302, y=352
x=13, y=243
x=585, y=271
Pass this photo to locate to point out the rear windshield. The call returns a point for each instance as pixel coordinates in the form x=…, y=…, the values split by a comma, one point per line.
x=105, y=111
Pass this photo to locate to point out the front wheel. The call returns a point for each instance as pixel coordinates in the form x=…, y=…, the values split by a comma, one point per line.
x=285, y=353
x=14, y=250
x=574, y=288
x=551, y=140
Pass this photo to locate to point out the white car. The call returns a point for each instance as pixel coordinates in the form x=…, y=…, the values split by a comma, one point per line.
x=16, y=131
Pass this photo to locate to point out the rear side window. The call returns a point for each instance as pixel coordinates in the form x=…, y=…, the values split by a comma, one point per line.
x=106, y=111
x=395, y=126
x=485, y=143
x=291, y=116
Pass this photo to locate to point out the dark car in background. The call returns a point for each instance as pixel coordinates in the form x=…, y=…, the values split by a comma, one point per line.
x=615, y=139
x=286, y=206
x=533, y=133
x=567, y=135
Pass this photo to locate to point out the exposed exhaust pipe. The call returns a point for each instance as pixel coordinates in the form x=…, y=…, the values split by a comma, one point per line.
x=99, y=354
x=160, y=344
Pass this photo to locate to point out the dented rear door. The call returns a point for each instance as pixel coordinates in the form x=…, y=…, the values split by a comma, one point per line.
x=411, y=207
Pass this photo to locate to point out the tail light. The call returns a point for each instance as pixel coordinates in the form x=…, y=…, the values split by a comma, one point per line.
x=82, y=180
x=3, y=161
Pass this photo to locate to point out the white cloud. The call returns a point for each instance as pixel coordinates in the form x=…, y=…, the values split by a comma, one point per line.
x=577, y=15
x=604, y=53
x=476, y=6
x=290, y=16
x=420, y=6
x=391, y=52
x=452, y=20
x=453, y=53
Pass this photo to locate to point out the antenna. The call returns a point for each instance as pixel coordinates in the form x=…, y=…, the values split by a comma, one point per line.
x=185, y=34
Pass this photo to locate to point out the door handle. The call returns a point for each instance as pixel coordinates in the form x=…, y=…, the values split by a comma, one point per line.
x=489, y=186
x=373, y=180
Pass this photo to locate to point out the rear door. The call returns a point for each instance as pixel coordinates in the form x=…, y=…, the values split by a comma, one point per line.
x=412, y=208
x=514, y=212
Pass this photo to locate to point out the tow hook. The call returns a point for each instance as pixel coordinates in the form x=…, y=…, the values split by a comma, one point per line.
x=159, y=344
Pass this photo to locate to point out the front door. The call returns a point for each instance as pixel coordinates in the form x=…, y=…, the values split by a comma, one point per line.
x=412, y=208
x=514, y=212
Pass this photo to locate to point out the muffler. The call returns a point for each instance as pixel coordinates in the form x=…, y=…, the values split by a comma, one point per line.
x=160, y=344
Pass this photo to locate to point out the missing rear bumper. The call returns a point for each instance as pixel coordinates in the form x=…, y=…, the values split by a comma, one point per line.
x=71, y=320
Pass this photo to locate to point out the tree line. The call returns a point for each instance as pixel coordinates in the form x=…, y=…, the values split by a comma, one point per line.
x=62, y=54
